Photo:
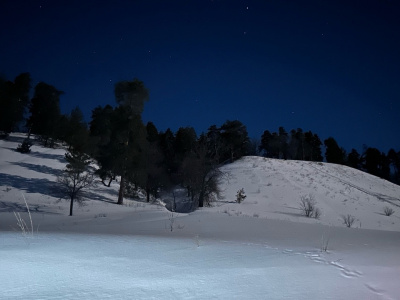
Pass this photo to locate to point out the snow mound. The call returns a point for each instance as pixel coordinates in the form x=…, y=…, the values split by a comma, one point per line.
x=273, y=188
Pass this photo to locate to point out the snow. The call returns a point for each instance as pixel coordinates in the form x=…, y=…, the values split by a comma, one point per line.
x=262, y=248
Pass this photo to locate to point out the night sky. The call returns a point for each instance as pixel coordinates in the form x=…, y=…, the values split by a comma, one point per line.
x=332, y=67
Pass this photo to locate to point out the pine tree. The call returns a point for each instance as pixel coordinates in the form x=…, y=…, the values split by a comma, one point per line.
x=76, y=176
x=14, y=98
x=45, y=113
x=353, y=159
x=283, y=143
x=235, y=140
x=76, y=133
x=334, y=154
x=185, y=141
x=394, y=159
x=156, y=175
x=131, y=96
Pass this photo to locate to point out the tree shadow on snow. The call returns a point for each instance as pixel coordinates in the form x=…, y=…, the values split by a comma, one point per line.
x=9, y=148
x=299, y=214
x=31, y=185
x=21, y=208
x=91, y=195
x=13, y=138
x=38, y=168
x=59, y=157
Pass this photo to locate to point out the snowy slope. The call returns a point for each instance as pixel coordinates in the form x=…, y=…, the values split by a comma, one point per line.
x=262, y=248
x=274, y=187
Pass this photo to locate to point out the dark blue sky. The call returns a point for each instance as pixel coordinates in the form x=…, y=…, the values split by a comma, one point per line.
x=332, y=67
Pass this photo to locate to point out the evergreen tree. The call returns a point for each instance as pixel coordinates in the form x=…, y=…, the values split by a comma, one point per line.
x=316, y=148
x=266, y=144
x=235, y=140
x=167, y=142
x=373, y=161
x=76, y=133
x=254, y=147
x=385, y=166
x=45, y=112
x=296, y=144
x=131, y=96
x=312, y=147
x=283, y=143
x=333, y=153
x=152, y=133
x=394, y=160
x=14, y=98
x=354, y=159
x=100, y=133
x=155, y=171
x=213, y=140
x=100, y=126
x=76, y=177
x=185, y=141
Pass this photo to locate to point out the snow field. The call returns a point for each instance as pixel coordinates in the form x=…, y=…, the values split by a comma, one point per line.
x=262, y=248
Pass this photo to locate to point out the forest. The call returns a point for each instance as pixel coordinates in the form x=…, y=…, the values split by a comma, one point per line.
x=141, y=156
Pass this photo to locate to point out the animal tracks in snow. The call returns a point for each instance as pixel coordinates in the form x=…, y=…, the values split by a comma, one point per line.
x=346, y=272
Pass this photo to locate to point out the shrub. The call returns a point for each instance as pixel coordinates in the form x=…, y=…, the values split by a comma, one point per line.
x=240, y=195
x=348, y=220
x=317, y=213
x=25, y=230
x=388, y=211
x=25, y=147
x=308, y=207
x=324, y=243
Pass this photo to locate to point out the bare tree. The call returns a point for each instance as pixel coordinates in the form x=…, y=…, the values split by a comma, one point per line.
x=75, y=177
x=201, y=175
x=348, y=220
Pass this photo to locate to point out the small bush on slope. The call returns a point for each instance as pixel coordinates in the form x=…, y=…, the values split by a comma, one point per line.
x=308, y=207
x=25, y=147
x=240, y=195
x=388, y=211
x=348, y=220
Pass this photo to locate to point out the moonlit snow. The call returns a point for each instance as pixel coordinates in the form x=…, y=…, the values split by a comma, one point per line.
x=262, y=248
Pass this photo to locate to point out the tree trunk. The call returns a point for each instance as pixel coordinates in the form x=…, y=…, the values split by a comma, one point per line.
x=148, y=194
x=201, y=196
x=71, y=206
x=107, y=184
x=121, y=191
x=29, y=132
x=201, y=199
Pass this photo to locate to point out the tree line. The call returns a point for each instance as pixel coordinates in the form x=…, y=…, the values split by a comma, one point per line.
x=143, y=157
x=299, y=145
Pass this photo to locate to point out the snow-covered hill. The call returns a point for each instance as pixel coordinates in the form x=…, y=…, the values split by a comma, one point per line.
x=274, y=187
x=263, y=248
